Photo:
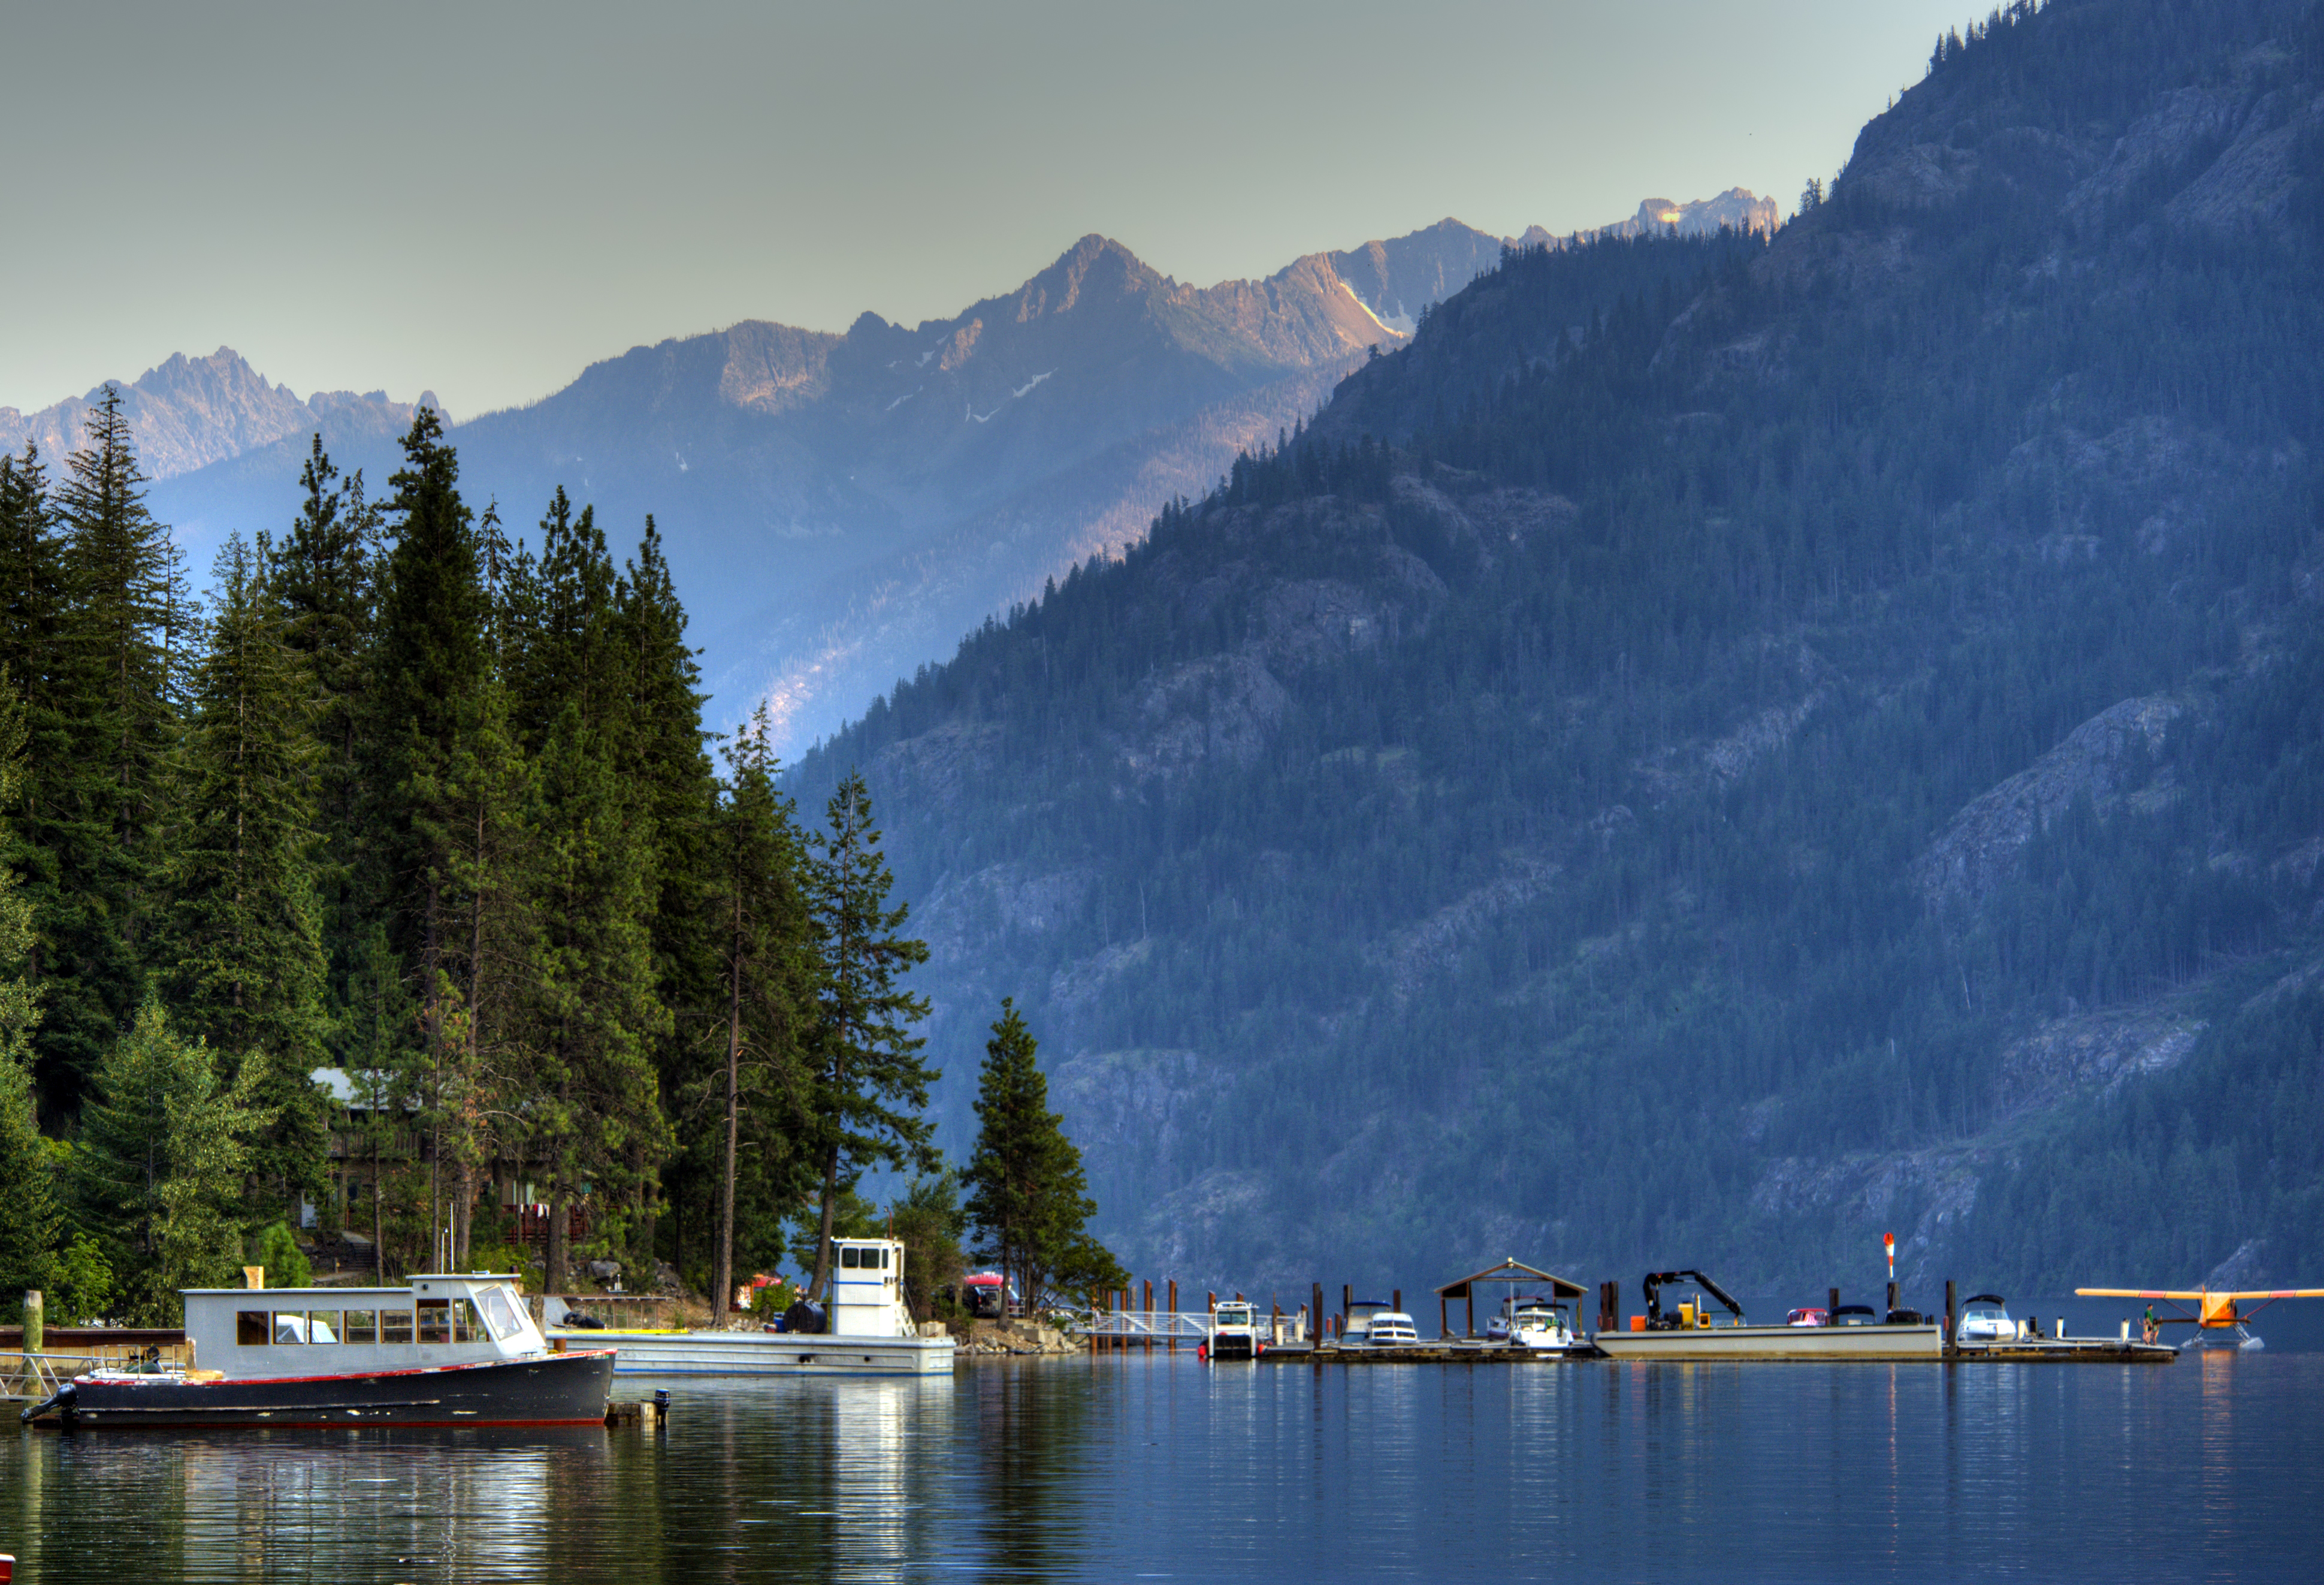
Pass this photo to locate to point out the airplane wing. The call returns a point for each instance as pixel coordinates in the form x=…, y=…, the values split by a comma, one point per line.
x=2276, y=1294
x=2184, y=1296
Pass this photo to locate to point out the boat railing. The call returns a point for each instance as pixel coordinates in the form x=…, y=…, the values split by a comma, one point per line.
x=38, y=1375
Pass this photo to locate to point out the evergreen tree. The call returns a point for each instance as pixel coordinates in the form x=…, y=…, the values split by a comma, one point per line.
x=115, y=682
x=29, y=1229
x=1028, y=1194
x=159, y=1166
x=595, y=1016
x=426, y=700
x=241, y=952
x=324, y=577
x=870, y=1085
x=663, y=758
x=763, y=928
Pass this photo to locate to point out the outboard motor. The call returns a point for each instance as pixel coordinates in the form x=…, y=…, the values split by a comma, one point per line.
x=803, y=1316
x=62, y=1401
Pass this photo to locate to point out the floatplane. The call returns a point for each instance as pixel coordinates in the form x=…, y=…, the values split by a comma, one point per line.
x=2214, y=1311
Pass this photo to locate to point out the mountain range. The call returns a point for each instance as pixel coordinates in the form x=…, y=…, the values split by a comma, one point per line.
x=1718, y=748
x=839, y=508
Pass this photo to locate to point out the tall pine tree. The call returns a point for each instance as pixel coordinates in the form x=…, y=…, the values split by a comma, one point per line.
x=871, y=1084
x=241, y=952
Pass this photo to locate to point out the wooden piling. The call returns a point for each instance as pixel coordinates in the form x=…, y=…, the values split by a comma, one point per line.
x=1347, y=1303
x=1315, y=1316
x=1892, y=1301
x=36, y=1316
x=1832, y=1314
x=1174, y=1314
x=1444, y=1317
x=1150, y=1314
x=1952, y=1316
x=1396, y=1300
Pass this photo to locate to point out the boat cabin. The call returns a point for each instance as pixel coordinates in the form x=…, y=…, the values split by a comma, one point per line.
x=439, y=1319
x=867, y=1288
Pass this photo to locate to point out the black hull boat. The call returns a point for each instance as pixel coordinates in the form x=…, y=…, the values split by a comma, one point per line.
x=545, y=1389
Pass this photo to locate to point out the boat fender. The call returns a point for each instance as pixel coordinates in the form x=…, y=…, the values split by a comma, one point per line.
x=1202, y=1352
x=61, y=1400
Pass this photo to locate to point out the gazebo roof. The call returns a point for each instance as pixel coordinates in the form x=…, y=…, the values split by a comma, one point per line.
x=1513, y=1270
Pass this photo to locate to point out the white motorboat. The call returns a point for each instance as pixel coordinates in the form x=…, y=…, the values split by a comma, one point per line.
x=1986, y=1319
x=870, y=1333
x=1391, y=1328
x=1234, y=1331
x=1529, y=1321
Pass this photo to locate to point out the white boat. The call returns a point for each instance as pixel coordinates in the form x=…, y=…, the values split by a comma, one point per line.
x=1689, y=1332
x=1529, y=1321
x=871, y=1333
x=1356, y=1326
x=1391, y=1328
x=447, y=1348
x=1986, y=1320
x=1234, y=1331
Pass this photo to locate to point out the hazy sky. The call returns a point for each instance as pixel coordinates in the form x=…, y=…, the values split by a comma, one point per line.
x=482, y=199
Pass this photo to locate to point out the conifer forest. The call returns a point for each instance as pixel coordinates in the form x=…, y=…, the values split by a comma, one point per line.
x=393, y=890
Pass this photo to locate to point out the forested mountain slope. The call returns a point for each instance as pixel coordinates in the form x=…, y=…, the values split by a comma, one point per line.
x=1720, y=748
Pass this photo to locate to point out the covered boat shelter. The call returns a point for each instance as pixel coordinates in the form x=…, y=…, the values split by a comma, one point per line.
x=1512, y=1273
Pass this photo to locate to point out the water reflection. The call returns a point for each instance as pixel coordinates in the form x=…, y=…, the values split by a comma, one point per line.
x=1126, y=1468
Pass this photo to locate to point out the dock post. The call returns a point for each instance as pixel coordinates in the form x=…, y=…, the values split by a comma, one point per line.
x=1831, y=1315
x=1150, y=1314
x=1174, y=1314
x=1443, y=1318
x=1472, y=1309
x=1891, y=1300
x=1952, y=1315
x=1315, y=1315
x=1347, y=1303
x=36, y=1316
x=1396, y=1300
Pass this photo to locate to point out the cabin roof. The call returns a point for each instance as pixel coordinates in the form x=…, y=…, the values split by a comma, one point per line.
x=1512, y=1270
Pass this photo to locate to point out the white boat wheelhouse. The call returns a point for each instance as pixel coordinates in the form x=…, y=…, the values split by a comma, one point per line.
x=439, y=1319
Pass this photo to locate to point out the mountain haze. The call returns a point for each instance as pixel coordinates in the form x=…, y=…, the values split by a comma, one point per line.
x=840, y=508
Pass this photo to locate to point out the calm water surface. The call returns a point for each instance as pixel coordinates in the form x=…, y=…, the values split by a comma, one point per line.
x=1118, y=1470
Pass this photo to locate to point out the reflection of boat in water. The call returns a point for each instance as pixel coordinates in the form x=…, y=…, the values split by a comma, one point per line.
x=446, y=1350
x=1688, y=1333
x=870, y=1333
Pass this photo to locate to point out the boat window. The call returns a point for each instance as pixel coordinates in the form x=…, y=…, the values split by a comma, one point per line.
x=500, y=1313
x=290, y=1327
x=322, y=1326
x=395, y=1326
x=250, y=1329
x=883, y=1257
x=850, y=1257
x=435, y=1320
x=466, y=1327
x=362, y=1326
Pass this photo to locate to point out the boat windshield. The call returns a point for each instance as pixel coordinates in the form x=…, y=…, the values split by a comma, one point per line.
x=1985, y=1312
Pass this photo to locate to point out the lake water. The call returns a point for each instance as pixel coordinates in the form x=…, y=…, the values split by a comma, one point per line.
x=1124, y=1468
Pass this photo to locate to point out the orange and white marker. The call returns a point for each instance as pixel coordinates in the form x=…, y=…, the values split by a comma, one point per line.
x=1890, y=1240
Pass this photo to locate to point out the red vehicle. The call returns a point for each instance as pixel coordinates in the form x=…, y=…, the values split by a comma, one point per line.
x=1808, y=1318
x=987, y=1295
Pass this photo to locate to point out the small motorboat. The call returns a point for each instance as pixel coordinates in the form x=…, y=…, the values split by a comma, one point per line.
x=1234, y=1331
x=1985, y=1318
x=446, y=1349
x=1391, y=1328
x=1529, y=1321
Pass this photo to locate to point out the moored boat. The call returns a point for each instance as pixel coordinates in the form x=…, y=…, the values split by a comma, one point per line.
x=1689, y=1332
x=446, y=1349
x=869, y=1332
